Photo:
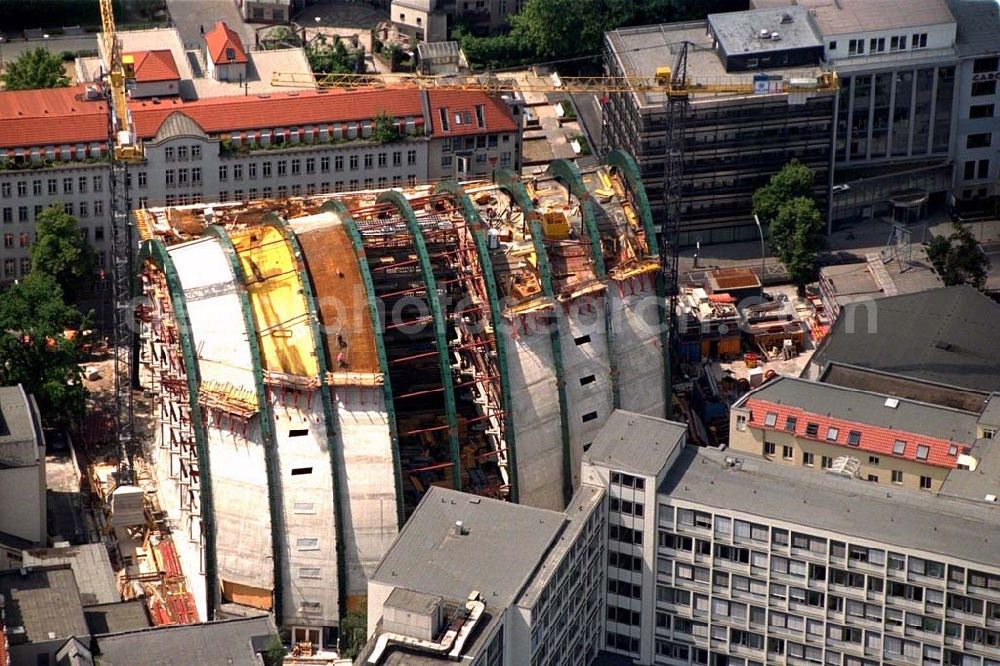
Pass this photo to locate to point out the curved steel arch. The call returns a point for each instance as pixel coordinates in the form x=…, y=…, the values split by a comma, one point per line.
x=478, y=234
x=156, y=252
x=625, y=164
x=264, y=417
x=510, y=182
x=359, y=252
x=406, y=210
x=569, y=173
x=628, y=167
x=334, y=444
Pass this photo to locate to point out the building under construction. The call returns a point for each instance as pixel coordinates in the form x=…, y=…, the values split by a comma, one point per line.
x=316, y=364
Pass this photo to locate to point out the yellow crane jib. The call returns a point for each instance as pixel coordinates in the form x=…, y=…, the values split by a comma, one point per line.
x=121, y=75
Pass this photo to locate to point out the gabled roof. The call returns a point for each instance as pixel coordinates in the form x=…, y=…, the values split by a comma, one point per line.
x=224, y=45
x=463, y=116
x=943, y=431
x=43, y=600
x=152, y=66
x=949, y=336
x=53, y=116
x=221, y=642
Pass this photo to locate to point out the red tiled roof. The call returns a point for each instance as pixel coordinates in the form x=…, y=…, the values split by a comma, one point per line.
x=874, y=440
x=233, y=114
x=153, y=66
x=52, y=116
x=219, y=39
x=463, y=103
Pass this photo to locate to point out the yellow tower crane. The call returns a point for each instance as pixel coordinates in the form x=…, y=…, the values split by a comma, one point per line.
x=123, y=148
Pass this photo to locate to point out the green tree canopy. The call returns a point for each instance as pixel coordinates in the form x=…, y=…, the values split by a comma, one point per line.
x=958, y=258
x=353, y=632
x=796, y=234
x=384, y=128
x=34, y=350
x=337, y=59
x=61, y=251
x=794, y=180
x=35, y=69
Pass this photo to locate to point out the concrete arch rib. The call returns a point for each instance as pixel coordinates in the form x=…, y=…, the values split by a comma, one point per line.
x=451, y=413
x=627, y=166
x=567, y=172
x=264, y=419
x=478, y=233
x=511, y=183
x=156, y=252
x=359, y=252
x=332, y=429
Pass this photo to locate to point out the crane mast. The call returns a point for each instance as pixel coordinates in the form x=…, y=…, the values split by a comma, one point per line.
x=123, y=149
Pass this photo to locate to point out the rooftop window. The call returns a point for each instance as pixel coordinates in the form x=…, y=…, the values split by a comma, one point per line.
x=832, y=434
x=770, y=419
x=812, y=429
x=899, y=448
x=854, y=438
x=922, y=452
x=790, y=423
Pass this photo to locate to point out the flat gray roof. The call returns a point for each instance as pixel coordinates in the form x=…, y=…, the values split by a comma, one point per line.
x=18, y=437
x=91, y=566
x=116, y=617
x=866, y=379
x=840, y=17
x=978, y=26
x=635, y=443
x=991, y=413
x=504, y=544
x=640, y=50
x=949, y=336
x=985, y=480
x=578, y=512
x=416, y=602
x=869, y=408
x=850, y=507
x=739, y=32
x=44, y=600
x=220, y=642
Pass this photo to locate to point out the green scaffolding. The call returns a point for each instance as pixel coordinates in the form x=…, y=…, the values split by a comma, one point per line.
x=511, y=183
x=333, y=438
x=264, y=419
x=344, y=215
x=478, y=233
x=403, y=206
x=155, y=252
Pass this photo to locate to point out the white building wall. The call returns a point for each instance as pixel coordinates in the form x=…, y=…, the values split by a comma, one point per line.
x=367, y=488
x=965, y=78
x=638, y=352
x=938, y=37
x=536, y=418
x=307, y=501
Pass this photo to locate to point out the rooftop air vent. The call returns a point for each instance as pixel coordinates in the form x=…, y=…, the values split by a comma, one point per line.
x=991, y=498
x=892, y=403
x=787, y=18
x=775, y=36
x=764, y=34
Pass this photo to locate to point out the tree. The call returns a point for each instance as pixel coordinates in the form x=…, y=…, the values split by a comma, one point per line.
x=274, y=652
x=958, y=258
x=794, y=224
x=333, y=60
x=35, y=352
x=797, y=236
x=354, y=632
x=61, y=251
x=794, y=180
x=385, y=129
x=35, y=69
x=559, y=28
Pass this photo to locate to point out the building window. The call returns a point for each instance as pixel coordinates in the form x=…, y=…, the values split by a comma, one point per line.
x=266, y=169
x=969, y=170
x=981, y=111
x=787, y=452
x=67, y=186
x=223, y=173
x=168, y=154
x=769, y=448
x=369, y=161
x=22, y=188
x=397, y=158
x=382, y=159
x=856, y=47
x=832, y=46
x=873, y=477
x=282, y=168
x=99, y=232
x=338, y=163
x=36, y=188
x=195, y=152
x=237, y=172
x=854, y=438
x=986, y=65
x=98, y=183
x=22, y=212
x=790, y=423
x=812, y=429
x=311, y=165
x=918, y=40
x=54, y=186
x=369, y=183
x=983, y=88
x=307, y=543
x=353, y=162
x=897, y=476
x=446, y=161
x=983, y=140
x=832, y=434
x=925, y=483
x=984, y=169
x=876, y=45
x=808, y=459
x=81, y=184
x=196, y=176
x=411, y=157
x=8, y=239
x=296, y=167
x=872, y=460
x=252, y=170
x=98, y=208
x=182, y=153
x=182, y=177
x=741, y=422
x=826, y=462
x=922, y=452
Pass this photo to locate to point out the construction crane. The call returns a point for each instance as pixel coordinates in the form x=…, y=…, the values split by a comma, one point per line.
x=670, y=81
x=124, y=148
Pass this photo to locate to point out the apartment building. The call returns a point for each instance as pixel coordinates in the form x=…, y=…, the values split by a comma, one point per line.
x=491, y=584
x=430, y=20
x=873, y=436
x=53, y=150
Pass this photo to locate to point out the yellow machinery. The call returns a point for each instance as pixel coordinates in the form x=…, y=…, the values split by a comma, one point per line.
x=555, y=226
x=121, y=72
